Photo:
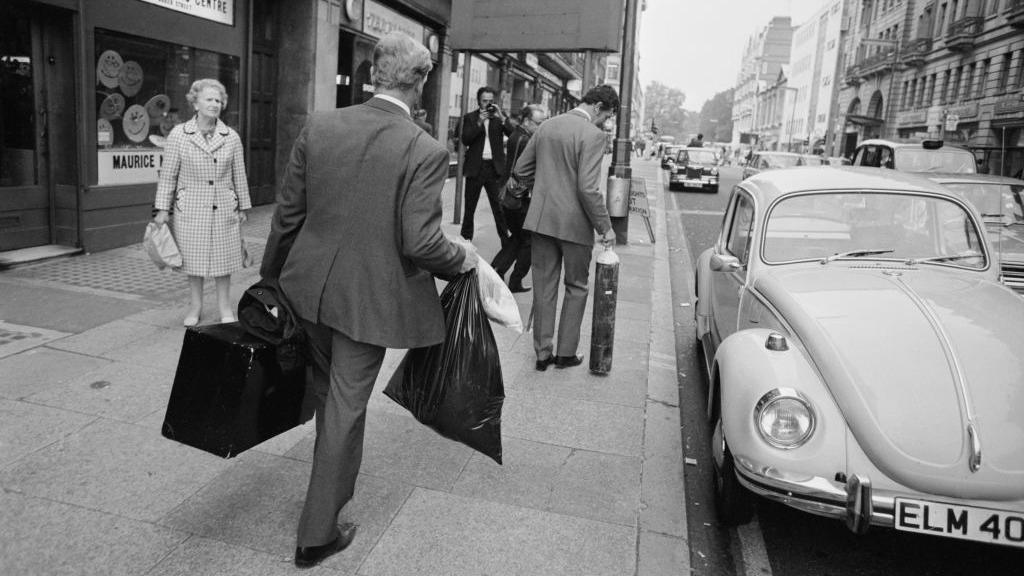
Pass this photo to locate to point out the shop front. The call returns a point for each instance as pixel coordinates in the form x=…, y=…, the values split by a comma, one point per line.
x=90, y=91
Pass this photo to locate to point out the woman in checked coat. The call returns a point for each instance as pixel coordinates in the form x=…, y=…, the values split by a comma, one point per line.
x=203, y=177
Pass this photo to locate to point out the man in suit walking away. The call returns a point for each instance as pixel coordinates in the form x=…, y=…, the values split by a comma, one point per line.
x=354, y=242
x=563, y=159
x=483, y=132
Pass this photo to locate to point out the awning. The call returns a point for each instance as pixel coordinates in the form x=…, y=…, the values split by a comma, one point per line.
x=861, y=120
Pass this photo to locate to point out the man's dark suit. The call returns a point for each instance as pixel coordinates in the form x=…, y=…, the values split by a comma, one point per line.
x=354, y=242
x=489, y=175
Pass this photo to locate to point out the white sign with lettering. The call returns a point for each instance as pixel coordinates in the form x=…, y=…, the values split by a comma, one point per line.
x=129, y=165
x=222, y=11
x=378, y=20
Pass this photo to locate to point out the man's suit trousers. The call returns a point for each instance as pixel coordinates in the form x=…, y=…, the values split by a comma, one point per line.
x=491, y=182
x=343, y=375
x=549, y=256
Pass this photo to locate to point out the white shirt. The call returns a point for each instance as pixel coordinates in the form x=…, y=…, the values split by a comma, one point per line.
x=394, y=101
x=585, y=113
x=488, y=154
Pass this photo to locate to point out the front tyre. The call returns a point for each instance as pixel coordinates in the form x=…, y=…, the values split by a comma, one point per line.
x=734, y=505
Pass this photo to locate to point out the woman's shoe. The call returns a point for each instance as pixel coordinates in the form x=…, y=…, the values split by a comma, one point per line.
x=191, y=321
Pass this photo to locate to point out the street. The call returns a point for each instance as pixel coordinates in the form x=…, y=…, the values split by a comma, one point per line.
x=780, y=541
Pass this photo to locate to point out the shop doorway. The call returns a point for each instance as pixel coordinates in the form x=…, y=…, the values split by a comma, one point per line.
x=38, y=147
x=355, y=58
x=263, y=102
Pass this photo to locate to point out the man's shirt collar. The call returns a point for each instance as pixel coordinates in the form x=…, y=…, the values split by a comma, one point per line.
x=585, y=113
x=395, y=101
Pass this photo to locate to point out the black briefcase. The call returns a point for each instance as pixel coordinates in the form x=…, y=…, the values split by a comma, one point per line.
x=230, y=394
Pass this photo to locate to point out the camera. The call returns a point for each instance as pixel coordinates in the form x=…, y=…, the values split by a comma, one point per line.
x=491, y=108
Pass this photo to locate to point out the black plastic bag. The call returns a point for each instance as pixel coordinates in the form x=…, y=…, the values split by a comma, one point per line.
x=456, y=387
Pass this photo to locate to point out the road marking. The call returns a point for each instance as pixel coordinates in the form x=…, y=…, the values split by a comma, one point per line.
x=755, y=556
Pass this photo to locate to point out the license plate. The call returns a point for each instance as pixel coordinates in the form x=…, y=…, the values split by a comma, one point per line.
x=689, y=184
x=963, y=522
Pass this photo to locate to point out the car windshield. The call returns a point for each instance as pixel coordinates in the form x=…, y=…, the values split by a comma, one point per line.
x=872, y=225
x=783, y=161
x=952, y=160
x=995, y=202
x=698, y=156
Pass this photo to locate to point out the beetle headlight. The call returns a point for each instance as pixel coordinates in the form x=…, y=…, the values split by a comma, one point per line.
x=714, y=171
x=784, y=418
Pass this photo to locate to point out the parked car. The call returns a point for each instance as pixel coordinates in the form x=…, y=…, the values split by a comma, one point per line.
x=668, y=156
x=767, y=160
x=1000, y=201
x=838, y=161
x=863, y=358
x=926, y=156
x=812, y=160
x=695, y=168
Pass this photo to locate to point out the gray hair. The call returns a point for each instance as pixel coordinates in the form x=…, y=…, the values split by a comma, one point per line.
x=204, y=83
x=399, y=62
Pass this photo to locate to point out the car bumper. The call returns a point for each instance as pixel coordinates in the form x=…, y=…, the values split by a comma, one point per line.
x=702, y=182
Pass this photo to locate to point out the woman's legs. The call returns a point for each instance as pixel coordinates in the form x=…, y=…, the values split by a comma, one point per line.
x=227, y=312
x=195, y=308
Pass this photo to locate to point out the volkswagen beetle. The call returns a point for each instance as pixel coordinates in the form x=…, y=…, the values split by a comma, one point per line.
x=864, y=361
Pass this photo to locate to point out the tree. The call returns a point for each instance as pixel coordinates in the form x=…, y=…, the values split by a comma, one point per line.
x=716, y=117
x=664, y=106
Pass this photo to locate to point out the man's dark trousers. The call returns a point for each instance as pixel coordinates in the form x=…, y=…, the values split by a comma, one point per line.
x=491, y=181
x=343, y=375
x=517, y=249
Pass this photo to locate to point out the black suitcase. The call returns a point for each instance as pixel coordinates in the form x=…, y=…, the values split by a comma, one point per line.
x=230, y=394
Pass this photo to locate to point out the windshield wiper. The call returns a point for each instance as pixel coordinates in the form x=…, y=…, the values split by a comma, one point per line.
x=953, y=258
x=857, y=254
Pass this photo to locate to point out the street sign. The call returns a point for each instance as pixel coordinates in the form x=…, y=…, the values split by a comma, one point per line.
x=951, y=122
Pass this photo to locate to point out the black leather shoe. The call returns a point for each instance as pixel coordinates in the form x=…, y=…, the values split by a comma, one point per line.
x=517, y=288
x=568, y=361
x=309, y=556
x=542, y=365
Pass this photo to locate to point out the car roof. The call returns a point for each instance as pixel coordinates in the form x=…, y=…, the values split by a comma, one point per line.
x=898, y=144
x=701, y=149
x=772, y=184
x=774, y=153
x=954, y=177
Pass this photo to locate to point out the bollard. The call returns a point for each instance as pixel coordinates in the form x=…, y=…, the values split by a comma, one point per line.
x=606, y=291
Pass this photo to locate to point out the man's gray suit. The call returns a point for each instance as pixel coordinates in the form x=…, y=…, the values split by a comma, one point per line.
x=354, y=242
x=564, y=160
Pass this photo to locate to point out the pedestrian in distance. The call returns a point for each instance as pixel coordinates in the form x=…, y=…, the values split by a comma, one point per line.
x=563, y=159
x=354, y=243
x=203, y=180
x=517, y=250
x=697, y=142
x=483, y=132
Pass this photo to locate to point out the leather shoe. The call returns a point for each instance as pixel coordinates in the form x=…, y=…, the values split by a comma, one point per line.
x=542, y=365
x=517, y=288
x=568, y=361
x=309, y=556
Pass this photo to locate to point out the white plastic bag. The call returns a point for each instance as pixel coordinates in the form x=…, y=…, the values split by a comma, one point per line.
x=499, y=304
x=160, y=245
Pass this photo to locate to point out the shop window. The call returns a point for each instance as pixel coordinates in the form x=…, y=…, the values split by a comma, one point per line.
x=17, y=104
x=141, y=88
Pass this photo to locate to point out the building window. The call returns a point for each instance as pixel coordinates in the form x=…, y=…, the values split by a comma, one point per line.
x=141, y=86
x=1004, y=73
x=903, y=95
x=983, y=69
x=944, y=93
x=930, y=95
x=954, y=85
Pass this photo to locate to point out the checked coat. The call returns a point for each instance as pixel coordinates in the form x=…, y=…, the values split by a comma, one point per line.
x=205, y=181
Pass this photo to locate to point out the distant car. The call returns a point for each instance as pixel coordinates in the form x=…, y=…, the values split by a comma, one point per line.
x=864, y=361
x=1000, y=201
x=837, y=161
x=668, y=156
x=812, y=160
x=767, y=160
x=695, y=168
x=926, y=156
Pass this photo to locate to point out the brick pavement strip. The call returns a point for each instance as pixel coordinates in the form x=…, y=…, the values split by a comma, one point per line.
x=591, y=485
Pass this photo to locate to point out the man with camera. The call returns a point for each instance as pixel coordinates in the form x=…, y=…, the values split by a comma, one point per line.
x=483, y=131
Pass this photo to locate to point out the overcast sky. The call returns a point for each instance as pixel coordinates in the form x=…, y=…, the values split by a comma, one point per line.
x=696, y=45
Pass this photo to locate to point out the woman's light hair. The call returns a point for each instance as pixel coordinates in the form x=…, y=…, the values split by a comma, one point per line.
x=399, y=62
x=204, y=83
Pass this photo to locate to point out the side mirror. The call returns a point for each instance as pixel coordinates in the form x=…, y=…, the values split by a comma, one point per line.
x=725, y=263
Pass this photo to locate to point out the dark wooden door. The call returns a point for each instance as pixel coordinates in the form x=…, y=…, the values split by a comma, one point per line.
x=263, y=102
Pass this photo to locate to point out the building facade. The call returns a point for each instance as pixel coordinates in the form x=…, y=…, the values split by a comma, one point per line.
x=954, y=71
x=763, y=56
x=814, y=55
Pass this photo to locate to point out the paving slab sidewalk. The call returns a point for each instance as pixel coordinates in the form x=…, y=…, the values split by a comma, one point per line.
x=592, y=482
